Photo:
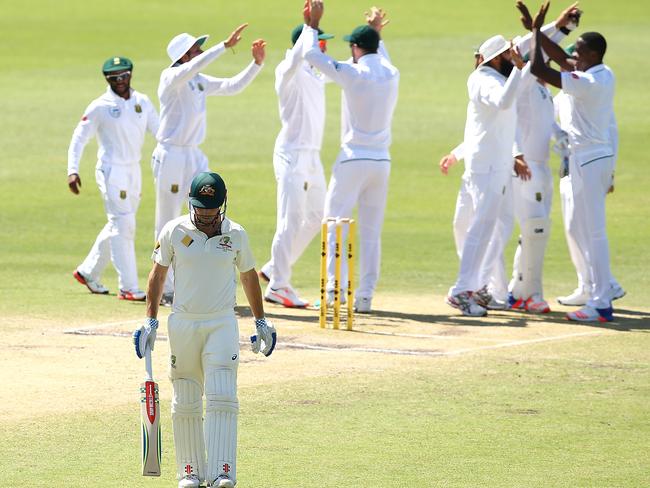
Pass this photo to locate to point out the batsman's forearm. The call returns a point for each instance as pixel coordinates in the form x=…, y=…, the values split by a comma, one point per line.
x=251, y=284
x=155, y=289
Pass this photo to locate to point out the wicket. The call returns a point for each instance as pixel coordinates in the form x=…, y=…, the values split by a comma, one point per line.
x=336, y=316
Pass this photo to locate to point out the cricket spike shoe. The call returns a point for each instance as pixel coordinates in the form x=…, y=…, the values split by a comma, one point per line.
x=578, y=298
x=223, y=481
x=516, y=303
x=189, y=481
x=167, y=299
x=464, y=302
x=590, y=314
x=132, y=295
x=94, y=286
x=362, y=304
x=482, y=297
x=537, y=304
x=285, y=296
x=616, y=291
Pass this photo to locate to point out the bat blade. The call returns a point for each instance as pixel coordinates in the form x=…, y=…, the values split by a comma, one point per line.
x=150, y=413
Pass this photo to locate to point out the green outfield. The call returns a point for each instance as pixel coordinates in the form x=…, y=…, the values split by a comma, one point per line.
x=565, y=413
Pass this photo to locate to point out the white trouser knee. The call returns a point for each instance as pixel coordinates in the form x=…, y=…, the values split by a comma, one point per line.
x=221, y=413
x=122, y=238
x=530, y=262
x=187, y=422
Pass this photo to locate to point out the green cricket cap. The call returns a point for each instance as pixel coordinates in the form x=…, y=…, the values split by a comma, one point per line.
x=295, y=34
x=365, y=37
x=570, y=49
x=207, y=191
x=117, y=63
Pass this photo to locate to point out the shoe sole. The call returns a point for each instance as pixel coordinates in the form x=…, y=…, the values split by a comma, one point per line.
x=284, y=302
x=77, y=276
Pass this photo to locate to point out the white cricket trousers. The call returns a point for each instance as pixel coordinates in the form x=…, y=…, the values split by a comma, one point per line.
x=173, y=169
x=120, y=188
x=301, y=191
x=590, y=180
x=488, y=192
x=362, y=183
x=573, y=229
x=532, y=200
x=204, y=358
x=492, y=271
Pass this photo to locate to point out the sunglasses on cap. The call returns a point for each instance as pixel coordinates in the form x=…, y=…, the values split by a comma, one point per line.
x=119, y=76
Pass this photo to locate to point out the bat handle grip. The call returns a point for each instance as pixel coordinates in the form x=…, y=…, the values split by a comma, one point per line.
x=147, y=363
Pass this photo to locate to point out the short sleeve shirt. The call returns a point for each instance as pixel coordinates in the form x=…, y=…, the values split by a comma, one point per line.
x=204, y=268
x=591, y=98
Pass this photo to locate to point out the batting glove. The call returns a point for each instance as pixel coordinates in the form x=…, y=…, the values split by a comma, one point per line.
x=145, y=336
x=265, y=334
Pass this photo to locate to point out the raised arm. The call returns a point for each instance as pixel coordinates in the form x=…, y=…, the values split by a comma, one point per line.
x=234, y=85
x=538, y=65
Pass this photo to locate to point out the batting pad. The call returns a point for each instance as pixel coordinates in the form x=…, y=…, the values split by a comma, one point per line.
x=534, y=236
x=187, y=422
x=221, y=413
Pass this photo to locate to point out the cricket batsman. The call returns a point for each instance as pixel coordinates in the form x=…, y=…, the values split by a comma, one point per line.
x=205, y=250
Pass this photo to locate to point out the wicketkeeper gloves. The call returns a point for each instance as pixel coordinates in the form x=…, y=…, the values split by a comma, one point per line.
x=266, y=334
x=145, y=335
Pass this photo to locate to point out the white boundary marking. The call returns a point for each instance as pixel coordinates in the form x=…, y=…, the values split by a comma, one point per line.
x=92, y=330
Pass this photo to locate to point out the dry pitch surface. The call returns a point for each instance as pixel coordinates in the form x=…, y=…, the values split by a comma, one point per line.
x=55, y=368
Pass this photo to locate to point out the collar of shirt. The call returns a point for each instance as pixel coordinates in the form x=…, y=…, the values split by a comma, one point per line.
x=369, y=59
x=226, y=227
x=114, y=96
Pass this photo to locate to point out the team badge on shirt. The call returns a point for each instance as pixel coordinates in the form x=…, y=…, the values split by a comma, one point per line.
x=225, y=243
x=174, y=188
x=138, y=108
x=123, y=194
x=114, y=112
x=538, y=196
x=187, y=241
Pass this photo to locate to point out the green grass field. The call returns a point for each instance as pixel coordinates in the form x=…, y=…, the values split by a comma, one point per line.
x=569, y=414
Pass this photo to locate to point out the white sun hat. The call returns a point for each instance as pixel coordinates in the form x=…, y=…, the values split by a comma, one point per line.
x=494, y=46
x=182, y=43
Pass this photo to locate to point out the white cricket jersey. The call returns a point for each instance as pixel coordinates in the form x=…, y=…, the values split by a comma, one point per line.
x=120, y=126
x=491, y=119
x=535, y=119
x=591, y=98
x=182, y=91
x=205, y=270
x=370, y=89
x=301, y=100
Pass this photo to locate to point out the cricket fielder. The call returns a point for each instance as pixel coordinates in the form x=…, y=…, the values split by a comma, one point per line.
x=590, y=88
x=119, y=119
x=360, y=174
x=297, y=166
x=206, y=250
x=182, y=92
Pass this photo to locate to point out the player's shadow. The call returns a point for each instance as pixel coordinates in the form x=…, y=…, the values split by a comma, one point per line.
x=624, y=320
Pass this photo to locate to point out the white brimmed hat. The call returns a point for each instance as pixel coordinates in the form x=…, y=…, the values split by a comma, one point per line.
x=182, y=43
x=494, y=46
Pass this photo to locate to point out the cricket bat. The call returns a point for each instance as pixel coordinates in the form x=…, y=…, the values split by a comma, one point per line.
x=150, y=407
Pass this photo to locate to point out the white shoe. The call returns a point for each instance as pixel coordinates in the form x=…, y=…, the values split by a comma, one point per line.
x=537, y=304
x=590, y=314
x=189, y=481
x=94, y=286
x=495, y=304
x=465, y=302
x=616, y=292
x=578, y=298
x=223, y=481
x=284, y=296
x=362, y=304
x=132, y=295
x=482, y=297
